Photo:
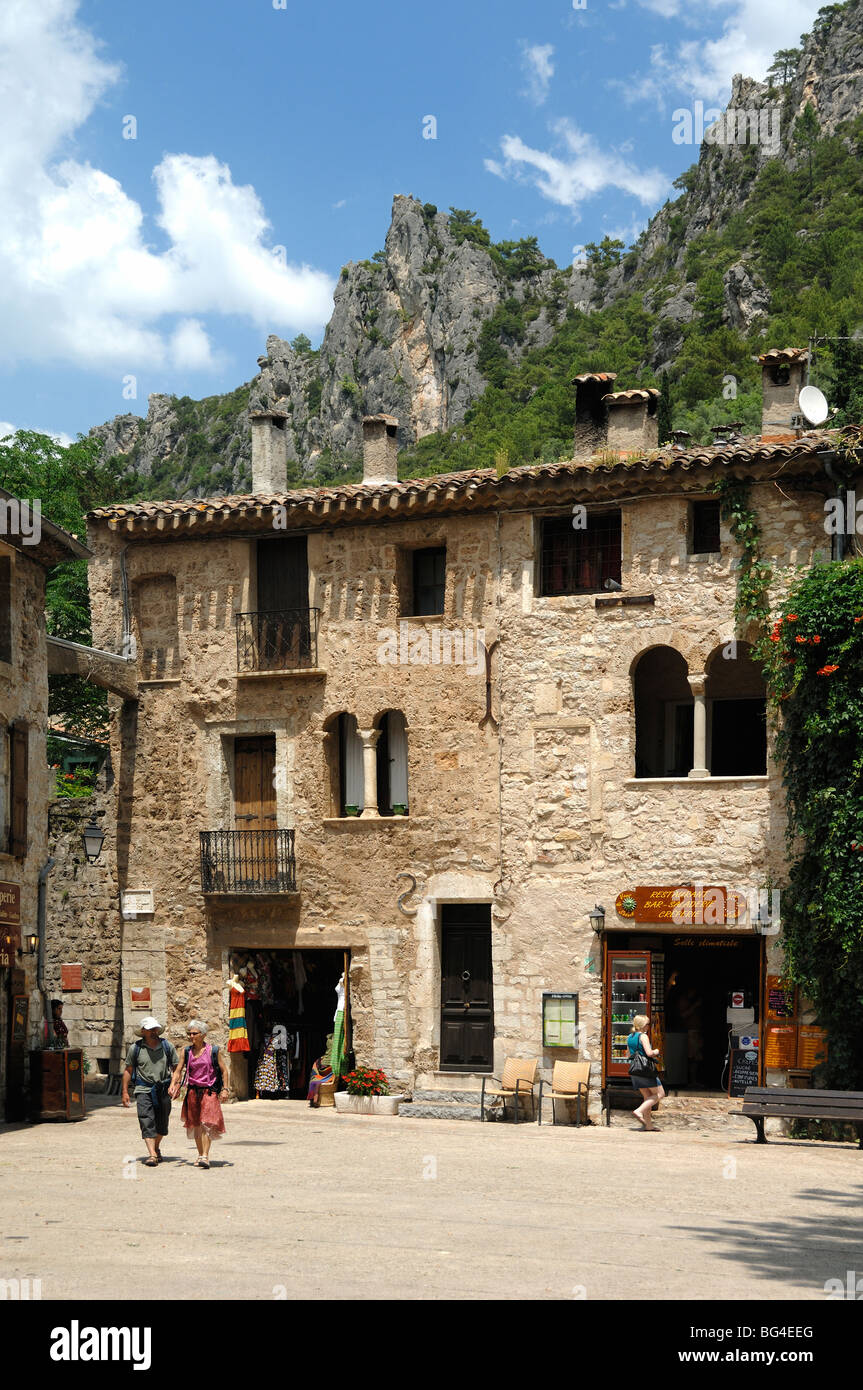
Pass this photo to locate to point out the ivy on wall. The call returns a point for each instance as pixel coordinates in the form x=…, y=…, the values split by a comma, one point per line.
x=751, y=604
x=815, y=677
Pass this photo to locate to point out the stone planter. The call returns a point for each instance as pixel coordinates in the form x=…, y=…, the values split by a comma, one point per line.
x=367, y=1105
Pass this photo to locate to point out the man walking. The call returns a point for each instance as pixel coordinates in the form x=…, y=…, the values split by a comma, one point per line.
x=154, y=1069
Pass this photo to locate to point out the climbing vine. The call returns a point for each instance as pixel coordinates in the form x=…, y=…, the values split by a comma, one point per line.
x=814, y=671
x=751, y=604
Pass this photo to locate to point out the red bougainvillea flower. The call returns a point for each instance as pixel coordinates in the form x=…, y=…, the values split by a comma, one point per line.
x=799, y=639
x=860, y=619
x=791, y=617
x=816, y=640
x=774, y=636
x=827, y=670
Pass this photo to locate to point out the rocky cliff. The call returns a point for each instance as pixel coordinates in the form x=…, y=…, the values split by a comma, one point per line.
x=417, y=330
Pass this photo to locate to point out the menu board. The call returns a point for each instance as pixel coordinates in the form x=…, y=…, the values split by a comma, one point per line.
x=780, y=1045
x=811, y=1046
x=781, y=998
x=743, y=1070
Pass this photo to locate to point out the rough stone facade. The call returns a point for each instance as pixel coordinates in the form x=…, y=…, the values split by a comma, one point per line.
x=523, y=793
x=24, y=703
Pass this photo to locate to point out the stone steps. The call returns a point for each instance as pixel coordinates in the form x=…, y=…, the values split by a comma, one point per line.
x=439, y=1110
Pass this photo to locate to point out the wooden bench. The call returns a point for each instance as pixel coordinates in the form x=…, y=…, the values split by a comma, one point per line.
x=761, y=1103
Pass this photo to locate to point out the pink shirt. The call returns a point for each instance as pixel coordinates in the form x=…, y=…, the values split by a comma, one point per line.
x=201, y=1069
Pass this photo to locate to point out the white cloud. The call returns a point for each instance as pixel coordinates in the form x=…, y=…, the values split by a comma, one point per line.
x=752, y=32
x=579, y=171
x=6, y=429
x=341, y=203
x=79, y=280
x=539, y=70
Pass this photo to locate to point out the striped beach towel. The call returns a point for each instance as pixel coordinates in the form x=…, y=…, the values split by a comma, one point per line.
x=239, y=1038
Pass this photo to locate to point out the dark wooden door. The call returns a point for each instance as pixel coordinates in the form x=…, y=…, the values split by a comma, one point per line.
x=467, y=1009
x=254, y=783
x=284, y=635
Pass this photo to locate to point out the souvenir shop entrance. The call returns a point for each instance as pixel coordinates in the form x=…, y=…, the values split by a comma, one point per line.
x=292, y=1009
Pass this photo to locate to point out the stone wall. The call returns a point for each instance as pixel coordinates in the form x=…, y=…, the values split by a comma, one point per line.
x=84, y=925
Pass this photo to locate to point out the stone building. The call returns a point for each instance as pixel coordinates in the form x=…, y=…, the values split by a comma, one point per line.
x=30, y=546
x=417, y=731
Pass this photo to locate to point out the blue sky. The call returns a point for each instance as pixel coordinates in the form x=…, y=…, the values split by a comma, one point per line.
x=131, y=265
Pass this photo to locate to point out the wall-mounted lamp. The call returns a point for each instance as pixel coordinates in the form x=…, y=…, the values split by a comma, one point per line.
x=32, y=943
x=93, y=837
x=597, y=918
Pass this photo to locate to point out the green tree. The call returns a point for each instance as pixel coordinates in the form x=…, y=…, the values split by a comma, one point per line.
x=464, y=225
x=784, y=65
x=301, y=344
x=807, y=133
x=69, y=481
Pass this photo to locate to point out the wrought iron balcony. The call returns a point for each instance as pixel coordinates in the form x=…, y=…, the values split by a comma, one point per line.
x=281, y=640
x=248, y=861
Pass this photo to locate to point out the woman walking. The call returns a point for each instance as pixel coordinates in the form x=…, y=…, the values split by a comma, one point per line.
x=206, y=1075
x=642, y=1069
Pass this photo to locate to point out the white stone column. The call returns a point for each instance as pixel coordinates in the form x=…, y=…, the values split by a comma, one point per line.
x=699, y=753
x=369, y=739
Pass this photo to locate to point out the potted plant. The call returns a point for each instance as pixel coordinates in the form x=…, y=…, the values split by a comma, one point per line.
x=352, y=810
x=366, y=1093
x=399, y=809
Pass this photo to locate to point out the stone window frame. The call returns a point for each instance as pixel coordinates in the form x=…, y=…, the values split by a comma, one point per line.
x=219, y=738
x=557, y=513
x=404, y=578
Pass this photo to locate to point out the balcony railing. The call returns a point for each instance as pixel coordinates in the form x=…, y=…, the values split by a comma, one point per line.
x=281, y=640
x=248, y=861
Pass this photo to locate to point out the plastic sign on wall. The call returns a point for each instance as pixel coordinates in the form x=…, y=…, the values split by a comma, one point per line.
x=560, y=1020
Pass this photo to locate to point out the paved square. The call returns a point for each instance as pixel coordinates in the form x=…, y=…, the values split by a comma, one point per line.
x=306, y=1204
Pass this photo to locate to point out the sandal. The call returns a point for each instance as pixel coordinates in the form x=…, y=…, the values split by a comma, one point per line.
x=151, y=1162
x=205, y=1163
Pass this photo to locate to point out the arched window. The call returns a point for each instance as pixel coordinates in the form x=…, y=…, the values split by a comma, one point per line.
x=663, y=714
x=392, y=761
x=736, y=713
x=344, y=754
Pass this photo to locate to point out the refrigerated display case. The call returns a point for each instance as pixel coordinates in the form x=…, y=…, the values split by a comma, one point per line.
x=628, y=993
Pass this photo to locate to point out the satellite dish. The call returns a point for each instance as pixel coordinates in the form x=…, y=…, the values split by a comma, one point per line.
x=814, y=405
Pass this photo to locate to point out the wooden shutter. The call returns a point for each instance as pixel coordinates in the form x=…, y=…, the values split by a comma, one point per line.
x=19, y=777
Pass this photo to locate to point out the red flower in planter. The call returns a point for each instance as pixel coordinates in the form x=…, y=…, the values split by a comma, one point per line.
x=791, y=617
x=799, y=639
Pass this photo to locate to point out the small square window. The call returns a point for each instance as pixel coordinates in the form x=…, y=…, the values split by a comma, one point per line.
x=429, y=582
x=704, y=528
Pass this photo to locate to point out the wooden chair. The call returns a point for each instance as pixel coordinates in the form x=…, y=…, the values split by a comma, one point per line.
x=569, y=1081
x=518, y=1080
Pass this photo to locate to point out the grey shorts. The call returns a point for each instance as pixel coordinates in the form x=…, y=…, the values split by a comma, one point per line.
x=153, y=1119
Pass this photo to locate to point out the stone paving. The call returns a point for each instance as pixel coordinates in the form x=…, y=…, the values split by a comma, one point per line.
x=303, y=1203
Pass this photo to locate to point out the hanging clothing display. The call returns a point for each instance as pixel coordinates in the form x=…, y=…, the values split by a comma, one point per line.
x=337, y=1053
x=273, y=1072
x=238, y=1037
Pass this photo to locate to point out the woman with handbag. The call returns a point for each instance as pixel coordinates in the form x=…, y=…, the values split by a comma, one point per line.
x=642, y=1069
x=206, y=1076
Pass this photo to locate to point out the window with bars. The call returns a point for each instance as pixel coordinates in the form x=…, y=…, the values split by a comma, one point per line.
x=704, y=528
x=579, y=560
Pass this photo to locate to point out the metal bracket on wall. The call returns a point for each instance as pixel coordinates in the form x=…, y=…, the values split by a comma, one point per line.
x=406, y=911
x=488, y=717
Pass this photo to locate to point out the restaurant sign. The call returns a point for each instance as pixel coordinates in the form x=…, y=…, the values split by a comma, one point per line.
x=10, y=923
x=682, y=905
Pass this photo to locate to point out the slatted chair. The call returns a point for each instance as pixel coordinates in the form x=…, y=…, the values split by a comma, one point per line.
x=569, y=1081
x=516, y=1083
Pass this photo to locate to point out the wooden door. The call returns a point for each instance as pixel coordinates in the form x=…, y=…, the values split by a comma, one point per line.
x=284, y=636
x=256, y=855
x=467, y=1007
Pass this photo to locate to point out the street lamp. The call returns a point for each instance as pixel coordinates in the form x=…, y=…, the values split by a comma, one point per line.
x=597, y=918
x=93, y=837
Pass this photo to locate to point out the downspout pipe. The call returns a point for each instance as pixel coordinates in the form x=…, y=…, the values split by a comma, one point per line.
x=40, y=927
x=838, y=539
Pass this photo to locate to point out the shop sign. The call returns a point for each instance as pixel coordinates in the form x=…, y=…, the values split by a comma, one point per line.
x=10, y=920
x=811, y=1046
x=559, y=1020
x=71, y=977
x=681, y=905
x=781, y=998
x=780, y=1045
x=137, y=902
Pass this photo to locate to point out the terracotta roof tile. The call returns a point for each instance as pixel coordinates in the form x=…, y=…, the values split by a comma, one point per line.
x=783, y=355
x=352, y=498
x=627, y=397
x=594, y=376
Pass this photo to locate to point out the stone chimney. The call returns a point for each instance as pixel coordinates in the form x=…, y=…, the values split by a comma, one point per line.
x=269, y=452
x=590, y=417
x=783, y=373
x=380, y=449
x=633, y=420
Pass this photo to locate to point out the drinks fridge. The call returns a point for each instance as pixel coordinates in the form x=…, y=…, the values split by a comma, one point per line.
x=628, y=994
